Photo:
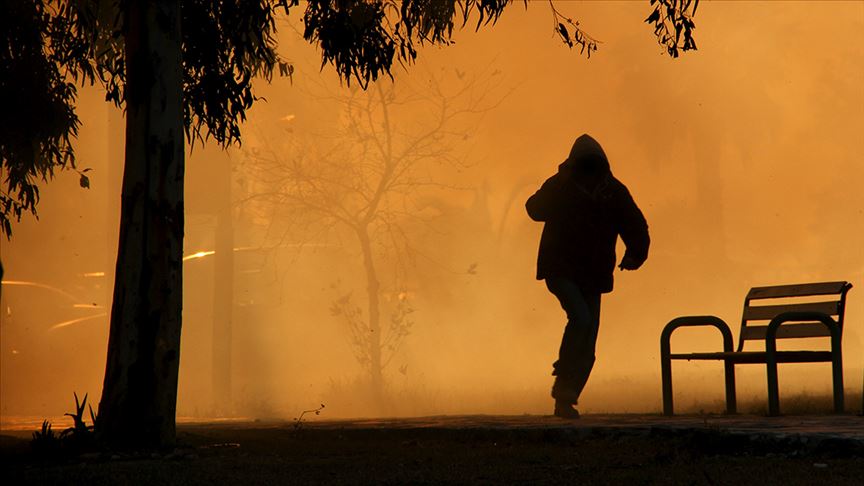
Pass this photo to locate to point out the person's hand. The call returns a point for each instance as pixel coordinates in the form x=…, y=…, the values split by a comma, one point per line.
x=628, y=263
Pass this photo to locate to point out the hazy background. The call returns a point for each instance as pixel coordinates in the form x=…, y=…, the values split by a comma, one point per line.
x=745, y=156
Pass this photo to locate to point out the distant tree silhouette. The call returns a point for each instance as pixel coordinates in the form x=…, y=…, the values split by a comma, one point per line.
x=183, y=71
x=366, y=182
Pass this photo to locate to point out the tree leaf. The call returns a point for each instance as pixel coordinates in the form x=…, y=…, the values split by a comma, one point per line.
x=654, y=17
x=563, y=31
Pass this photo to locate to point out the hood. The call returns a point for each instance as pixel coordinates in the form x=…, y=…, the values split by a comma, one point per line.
x=586, y=156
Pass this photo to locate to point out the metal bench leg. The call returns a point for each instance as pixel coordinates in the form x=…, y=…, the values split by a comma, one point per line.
x=837, y=371
x=666, y=376
x=773, y=388
x=731, y=402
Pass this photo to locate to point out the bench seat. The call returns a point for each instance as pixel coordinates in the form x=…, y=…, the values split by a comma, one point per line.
x=757, y=356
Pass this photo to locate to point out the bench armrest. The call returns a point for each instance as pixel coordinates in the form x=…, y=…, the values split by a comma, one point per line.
x=694, y=321
x=779, y=320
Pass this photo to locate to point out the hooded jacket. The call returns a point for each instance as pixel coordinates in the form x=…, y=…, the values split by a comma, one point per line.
x=585, y=208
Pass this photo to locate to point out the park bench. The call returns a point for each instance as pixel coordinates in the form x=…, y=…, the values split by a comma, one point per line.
x=790, y=312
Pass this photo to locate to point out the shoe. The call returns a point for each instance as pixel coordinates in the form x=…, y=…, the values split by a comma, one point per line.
x=566, y=411
x=563, y=393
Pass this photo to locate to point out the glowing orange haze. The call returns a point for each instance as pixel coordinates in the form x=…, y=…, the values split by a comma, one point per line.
x=746, y=157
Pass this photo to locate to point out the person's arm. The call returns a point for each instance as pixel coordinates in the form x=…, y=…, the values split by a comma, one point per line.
x=634, y=232
x=548, y=201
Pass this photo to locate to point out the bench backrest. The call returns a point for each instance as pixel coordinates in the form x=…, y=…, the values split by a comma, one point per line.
x=765, y=303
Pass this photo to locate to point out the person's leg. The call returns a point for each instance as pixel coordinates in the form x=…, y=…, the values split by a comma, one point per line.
x=585, y=348
x=575, y=355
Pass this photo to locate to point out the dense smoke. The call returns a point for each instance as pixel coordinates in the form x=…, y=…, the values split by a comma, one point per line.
x=745, y=157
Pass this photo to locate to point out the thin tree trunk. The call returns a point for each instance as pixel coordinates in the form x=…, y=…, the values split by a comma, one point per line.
x=373, y=292
x=139, y=396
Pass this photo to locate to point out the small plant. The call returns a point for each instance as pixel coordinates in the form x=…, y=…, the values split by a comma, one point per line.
x=45, y=442
x=80, y=436
x=73, y=440
x=298, y=422
x=365, y=342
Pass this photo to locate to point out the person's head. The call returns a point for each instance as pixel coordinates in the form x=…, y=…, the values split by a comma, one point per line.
x=591, y=166
x=588, y=161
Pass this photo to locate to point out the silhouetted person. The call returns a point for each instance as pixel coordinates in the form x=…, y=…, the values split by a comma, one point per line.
x=585, y=208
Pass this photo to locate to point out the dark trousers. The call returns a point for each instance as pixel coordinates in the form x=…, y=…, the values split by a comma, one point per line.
x=576, y=354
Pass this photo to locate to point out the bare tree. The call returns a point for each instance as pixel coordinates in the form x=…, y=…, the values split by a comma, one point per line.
x=363, y=180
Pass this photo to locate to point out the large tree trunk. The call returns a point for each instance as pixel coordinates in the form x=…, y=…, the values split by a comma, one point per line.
x=139, y=396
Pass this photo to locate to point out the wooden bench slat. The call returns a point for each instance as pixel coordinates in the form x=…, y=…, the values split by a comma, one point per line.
x=803, y=330
x=768, y=312
x=796, y=290
x=758, y=356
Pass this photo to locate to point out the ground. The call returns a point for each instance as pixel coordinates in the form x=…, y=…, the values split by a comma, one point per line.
x=600, y=449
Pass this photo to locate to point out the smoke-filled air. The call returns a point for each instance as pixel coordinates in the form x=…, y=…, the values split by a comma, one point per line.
x=369, y=249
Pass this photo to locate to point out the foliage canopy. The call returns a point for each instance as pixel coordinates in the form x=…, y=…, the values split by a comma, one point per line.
x=50, y=47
